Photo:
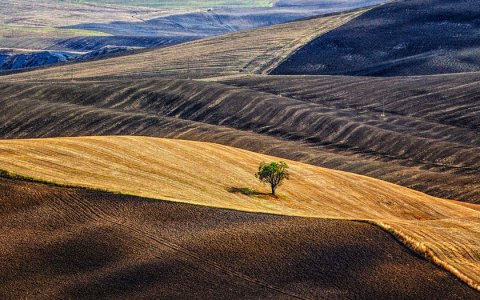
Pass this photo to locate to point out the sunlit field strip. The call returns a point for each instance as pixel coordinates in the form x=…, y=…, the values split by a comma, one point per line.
x=445, y=231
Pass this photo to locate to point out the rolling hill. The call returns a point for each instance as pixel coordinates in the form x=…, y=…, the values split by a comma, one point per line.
x=78, y=243
x=295, y=118
x=254, y=51
x=51, y=13
x=28, y=28
x=214, y=175
x=49, y=25
x=216, y=21
x=412, y=37
x=418, y=132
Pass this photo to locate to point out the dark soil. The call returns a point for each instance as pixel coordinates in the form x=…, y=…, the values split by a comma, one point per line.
x=413, y=37
x=75, y=243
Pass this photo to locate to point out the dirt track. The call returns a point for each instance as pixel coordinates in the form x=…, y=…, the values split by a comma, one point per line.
x=66, y=242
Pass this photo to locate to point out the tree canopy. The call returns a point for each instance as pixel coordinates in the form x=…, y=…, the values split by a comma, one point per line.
x=273, y=173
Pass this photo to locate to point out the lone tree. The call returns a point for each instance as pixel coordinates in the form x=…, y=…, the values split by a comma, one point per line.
x=273, y=173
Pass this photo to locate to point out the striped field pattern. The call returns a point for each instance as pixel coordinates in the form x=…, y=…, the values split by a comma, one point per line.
x=135, y=124
x=325, y=125
x=209, y=174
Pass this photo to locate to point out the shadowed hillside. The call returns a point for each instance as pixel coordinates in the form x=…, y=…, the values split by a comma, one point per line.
x=87, y=244
x=216, y=21
x=410, y=37
x=305, y=124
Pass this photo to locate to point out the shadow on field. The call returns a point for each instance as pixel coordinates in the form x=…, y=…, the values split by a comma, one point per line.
x=249, y=192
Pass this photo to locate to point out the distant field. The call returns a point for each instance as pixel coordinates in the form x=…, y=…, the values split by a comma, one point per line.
x=185, y=4
x=37, y=32
x=444, y=231
x=254, y=51
x=51, y=13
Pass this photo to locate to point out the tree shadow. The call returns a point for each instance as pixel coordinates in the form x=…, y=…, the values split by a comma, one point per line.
x=249, y=192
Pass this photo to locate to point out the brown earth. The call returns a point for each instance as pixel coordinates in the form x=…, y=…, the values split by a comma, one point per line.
x=75, y=243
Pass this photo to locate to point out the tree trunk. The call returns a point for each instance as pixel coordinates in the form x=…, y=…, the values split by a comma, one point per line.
x=273, y=189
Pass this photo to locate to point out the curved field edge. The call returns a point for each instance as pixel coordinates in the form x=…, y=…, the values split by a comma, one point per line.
x=443, y=231
x=307, y=39
x=403, y=238
x=267, y=249
x=425, y=251
x=400, y=236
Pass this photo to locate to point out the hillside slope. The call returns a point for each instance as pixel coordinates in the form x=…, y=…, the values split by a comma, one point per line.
x=13, y=60
x=85, y=244
x=313, y=120
x=30, y=28
x=209, y=174
x=409, y=37
x=253, y=51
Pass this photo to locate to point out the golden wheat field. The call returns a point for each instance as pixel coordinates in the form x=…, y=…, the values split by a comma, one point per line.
x=445, y=231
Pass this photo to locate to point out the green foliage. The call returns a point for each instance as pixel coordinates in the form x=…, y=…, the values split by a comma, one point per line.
x=273, y=173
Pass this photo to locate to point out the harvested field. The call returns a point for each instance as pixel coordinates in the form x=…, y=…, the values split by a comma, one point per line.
x=67, y=242
x=49, y=13
x=209, y=174
x=254, y=51
x=333, y=122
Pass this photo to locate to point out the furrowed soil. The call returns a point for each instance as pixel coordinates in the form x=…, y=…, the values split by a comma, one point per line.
x=75, y=243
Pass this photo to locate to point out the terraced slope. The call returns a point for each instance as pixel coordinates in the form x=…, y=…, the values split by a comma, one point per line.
x=209, y=174
x=411, y=37
x=347, y=133
x=85, y=244
x=254, y=51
